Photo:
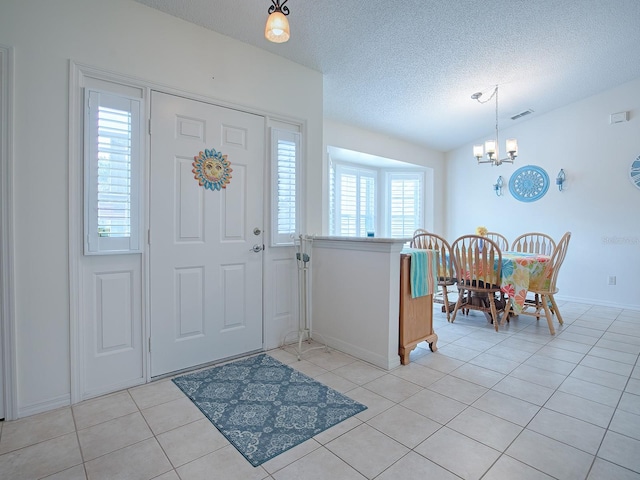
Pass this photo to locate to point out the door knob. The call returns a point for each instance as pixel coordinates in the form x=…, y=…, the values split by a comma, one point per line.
x=256, y=248
x=257, y=231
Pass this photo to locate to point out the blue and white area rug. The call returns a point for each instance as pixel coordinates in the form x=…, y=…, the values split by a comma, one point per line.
x=264, y=407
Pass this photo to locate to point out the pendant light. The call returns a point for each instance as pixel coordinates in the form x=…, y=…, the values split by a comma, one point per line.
x=491, y=146
x=277, y=27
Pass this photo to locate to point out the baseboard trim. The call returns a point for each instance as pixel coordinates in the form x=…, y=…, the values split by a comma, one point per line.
x=355, y=351
x=599, y=303
x=44, y=406
x=112, y=388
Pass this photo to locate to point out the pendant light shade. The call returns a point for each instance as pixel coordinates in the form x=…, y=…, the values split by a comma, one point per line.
x=277, y=28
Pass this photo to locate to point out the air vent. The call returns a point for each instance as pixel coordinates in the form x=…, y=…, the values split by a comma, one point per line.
x=522, y=114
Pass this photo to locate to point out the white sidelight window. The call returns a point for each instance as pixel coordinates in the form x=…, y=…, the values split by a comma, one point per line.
x=285, y=168
x=112, y=173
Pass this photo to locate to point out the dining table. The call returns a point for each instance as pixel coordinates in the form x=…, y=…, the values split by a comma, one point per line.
x=521, y=272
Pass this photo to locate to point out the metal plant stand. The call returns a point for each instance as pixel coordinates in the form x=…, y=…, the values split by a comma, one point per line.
x=303, y=258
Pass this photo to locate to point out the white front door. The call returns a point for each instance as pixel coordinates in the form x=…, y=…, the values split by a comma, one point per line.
x=205, y=274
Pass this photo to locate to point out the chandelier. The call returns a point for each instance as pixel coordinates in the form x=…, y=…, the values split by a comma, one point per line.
x=277, y=28
x=490, y=148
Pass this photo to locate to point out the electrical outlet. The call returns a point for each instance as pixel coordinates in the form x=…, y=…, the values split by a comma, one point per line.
x=612, y=279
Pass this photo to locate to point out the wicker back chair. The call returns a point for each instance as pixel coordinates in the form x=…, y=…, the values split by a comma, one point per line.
x=546, y=292
x=534, y=242
x=446, y=273
x=478, y=264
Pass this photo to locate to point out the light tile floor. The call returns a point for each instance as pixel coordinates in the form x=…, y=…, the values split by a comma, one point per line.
x=517, y=404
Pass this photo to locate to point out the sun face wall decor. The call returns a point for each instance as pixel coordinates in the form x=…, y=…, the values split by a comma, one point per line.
x=212, y=169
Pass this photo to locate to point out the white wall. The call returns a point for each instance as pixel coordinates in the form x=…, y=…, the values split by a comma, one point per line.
x=131, y=39
x=599, y=204
x=374, y=143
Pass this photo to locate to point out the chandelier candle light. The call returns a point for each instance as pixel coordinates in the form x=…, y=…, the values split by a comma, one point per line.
x=491, y=146
x=277, y=27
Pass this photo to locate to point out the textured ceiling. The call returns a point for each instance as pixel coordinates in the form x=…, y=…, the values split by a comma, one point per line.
x=409, y=68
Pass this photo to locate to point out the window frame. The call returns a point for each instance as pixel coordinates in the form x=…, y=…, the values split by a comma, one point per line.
x=360, y=172
x=99, y=93
x=278, y=133
x=382, y=213
x=390, y=176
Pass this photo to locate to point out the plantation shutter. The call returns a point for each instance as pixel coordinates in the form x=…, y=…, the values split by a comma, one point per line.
x=406, y=203
x=332, y=198
x=355, y=195
x=112, y=165
x=285, y=166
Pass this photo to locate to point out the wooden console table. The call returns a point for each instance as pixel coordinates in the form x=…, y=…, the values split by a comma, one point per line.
x=416, y=315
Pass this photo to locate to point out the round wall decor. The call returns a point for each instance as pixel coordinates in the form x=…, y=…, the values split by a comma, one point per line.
x=529, y=183
x=212, y=169
x=634, y=172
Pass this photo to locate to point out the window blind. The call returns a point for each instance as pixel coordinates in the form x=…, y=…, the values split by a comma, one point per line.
x=405, y=205
x=286, y=167
x=112, y=173
x=355, y=201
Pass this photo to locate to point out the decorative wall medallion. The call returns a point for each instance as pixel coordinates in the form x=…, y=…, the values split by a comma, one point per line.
x=529, y=183
x=634, y=172
x=212, y=169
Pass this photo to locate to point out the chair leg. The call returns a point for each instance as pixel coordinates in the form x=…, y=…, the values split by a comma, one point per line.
x=505, y=315
x=458, y=303
x=466, y=310
x=445, y=297
x=538, y=307
x=494, y=313
x=555, y=309
x=547, y=313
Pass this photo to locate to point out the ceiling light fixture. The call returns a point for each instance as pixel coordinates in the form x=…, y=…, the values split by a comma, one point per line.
x=491, y=146
x=277, y=28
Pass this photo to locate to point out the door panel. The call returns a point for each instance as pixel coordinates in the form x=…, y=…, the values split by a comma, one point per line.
x=205, y=280
x=112, y=332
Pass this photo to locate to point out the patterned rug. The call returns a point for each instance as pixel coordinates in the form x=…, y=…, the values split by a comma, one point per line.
x=264, y=407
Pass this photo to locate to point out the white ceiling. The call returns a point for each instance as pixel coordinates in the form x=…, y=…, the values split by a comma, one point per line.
x=409, y=68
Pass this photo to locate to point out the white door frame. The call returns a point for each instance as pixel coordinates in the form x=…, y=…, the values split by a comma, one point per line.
x=9, y=401
x=77, y=75
x=271, y=255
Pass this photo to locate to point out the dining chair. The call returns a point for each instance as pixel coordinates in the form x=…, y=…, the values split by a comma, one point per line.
x=446, y=273
x=534, y=242
x=419, y=231
x=500, y=239
x=478, y=262
x=545, y=293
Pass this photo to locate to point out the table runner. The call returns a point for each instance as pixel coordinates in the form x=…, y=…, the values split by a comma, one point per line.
x=520, y=273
